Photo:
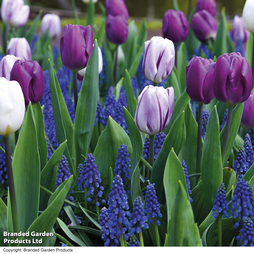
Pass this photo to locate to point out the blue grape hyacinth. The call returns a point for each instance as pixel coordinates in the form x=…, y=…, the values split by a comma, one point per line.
x=63, y=172
x=240, y=163
x=187, y=179
x=3, y=170
x=249, y=151
x=220, y=205
x=246, y=234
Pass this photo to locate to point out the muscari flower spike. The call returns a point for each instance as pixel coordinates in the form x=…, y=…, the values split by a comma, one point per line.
x=89, y=177
x=152, y=205
x=224, y=120
x=99, y=114
x=249, y=151
x=3, y=169
x=220, y=205
x=251, y=133
x=138, y=218
x=205, y=118
x=240, y=163
x=187, y=179
x=246, y=234
x=63, y=172
x=105, y=227
x=133, y=241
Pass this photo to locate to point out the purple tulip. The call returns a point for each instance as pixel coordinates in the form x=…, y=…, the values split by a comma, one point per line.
x=238, y=30
x=20, y=47
x=175, y=26
x=116, y=7
x=159, y=58
x=76, y=45
x=15, y=12
x=117, y=28
x=204, y=25
x=208, y=5
x=52, y=23
x=30, y=77
x=199, y=73
x=247, y=120
x=6, y=65
x=155, y=109
x=232, y=78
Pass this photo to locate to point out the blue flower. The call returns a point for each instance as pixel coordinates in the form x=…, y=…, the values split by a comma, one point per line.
x=63, y=172
x=246, y=234
x=90, y=178
x=205, y=118
x=138, y=218
x=99, y=114
x=249, y=151
x=105, y=224
x=3, y=170
x=220, y=205
x=133, y=241
x=187, y=179
x=224, y=120
x=240, y=163
x=152, y=205
x=251, y=133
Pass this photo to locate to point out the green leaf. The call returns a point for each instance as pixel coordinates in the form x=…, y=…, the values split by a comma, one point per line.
x=172, y=175
x=86, y=107
x=211, y=164
x=229, y=178
x=63, y=122
x=175, y=4
x=142, y=34
x=26, y=172
x=135, y=138
x=249, y=49
x=134, y=66
x=46, y=221
x=182, y=231
x=135, y=184
x=175, y=138
x=90, y=13
x=107, y=146
x=49, y=173
x=220, y=44
x=173, y=80
x=181, y=66
x=29, y=35
x=100, y=32
x=3, y=221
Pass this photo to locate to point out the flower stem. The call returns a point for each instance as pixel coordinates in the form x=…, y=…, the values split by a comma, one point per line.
x=141, y=239
x=75, y=12
x=151, y=149
x=199, y=137
x=14, y=209
x=220, y=229
x=115, y=68
x=122, y=241
x=226, y=133
x=75, y=87
x=158, y=243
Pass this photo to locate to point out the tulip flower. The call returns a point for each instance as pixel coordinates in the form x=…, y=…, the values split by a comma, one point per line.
x=247, y=120
x=117, y=28
x=12, y=106
x=204, y=26
x=208, y=5
x=6, y=65
x=199, y=73
x=116, y=7
x=30, y=77
x=154, y=110
x=159, y=58
x=20, y=47
x=15, y=12
x=76, y=45
x=52, y=23
x=238, y=30
x=175, y=26
x=248, y=10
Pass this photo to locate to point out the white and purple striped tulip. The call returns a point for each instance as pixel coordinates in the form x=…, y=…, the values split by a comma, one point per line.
x=6, y=65
x=20, y=47
x=159, y=59
x=52, y=23
x=155, y=109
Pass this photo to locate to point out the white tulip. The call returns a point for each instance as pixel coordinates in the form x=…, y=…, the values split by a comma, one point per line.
x=248, y=11
x=12, y=106
x=52, y=23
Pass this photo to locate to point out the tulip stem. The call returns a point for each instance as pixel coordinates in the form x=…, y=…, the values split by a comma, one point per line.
x=75, y=87
x=75, y=12
x=151, y=149
x=199, y=137
x=115, y=67
x=226, y=133
x=11, y=184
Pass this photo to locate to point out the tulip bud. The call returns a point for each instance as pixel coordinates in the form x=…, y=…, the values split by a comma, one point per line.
x=117, y=28
x=199, y=73
x=204, y=25
x=238, y=30
x=76, y=45
x=232, y=78
x=52, y=23
x=208, y=5
x=6, y=65
x=248, y=10
x=155, y=109
x=175, y=26
x=30, y=77
x=14, y=12
x=247, y=120
x=100, y=64
x=116, y=7
x=20, y=47
x=12, y=106
x=159, y=59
